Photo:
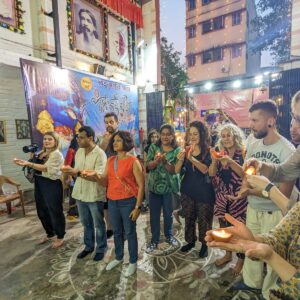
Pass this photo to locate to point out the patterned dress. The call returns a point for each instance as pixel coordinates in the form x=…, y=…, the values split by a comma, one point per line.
x=227, y=182
x=285, y=241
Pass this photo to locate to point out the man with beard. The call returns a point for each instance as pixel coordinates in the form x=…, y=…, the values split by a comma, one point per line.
x=262, y=213
x=111, y=125
x=87, y=37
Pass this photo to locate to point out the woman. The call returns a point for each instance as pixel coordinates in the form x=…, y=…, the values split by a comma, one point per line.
x=162, y=183
x=226, y=174
x=153, y=137
x=48, y=191
x=124, y=179
x=280, y=248
x=197, y=193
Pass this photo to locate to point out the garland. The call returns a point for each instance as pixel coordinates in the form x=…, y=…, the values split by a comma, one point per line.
x=20, y=23
x=106, y=50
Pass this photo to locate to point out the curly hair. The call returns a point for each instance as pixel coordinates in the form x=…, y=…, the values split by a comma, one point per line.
x=237, y=133
x=203, y=135
x=126, y=137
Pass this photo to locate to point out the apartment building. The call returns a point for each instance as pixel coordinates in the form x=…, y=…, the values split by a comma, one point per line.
x=219, y=40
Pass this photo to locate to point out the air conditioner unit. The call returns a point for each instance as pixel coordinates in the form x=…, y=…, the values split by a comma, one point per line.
x=99, y=69
x=225, y=69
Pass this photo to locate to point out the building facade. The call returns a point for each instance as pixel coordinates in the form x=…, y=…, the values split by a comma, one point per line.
x=218, y=39
x=27, y=31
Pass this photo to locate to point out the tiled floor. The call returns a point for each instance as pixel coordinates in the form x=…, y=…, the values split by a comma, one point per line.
x=30, y=271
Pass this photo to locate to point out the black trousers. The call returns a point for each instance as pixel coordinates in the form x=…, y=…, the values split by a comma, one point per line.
x=49, y=204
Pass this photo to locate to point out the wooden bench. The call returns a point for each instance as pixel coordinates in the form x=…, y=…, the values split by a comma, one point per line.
x=7, y=199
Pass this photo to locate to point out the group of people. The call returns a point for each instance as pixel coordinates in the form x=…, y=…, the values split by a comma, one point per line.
x=210, y=181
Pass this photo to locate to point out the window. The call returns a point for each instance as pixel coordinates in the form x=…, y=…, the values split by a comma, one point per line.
x=212, y=55
x=214, y=24
x=218, y=23
x=191, y=60
x=205, y=2
x=236, y=18
x=206, y=27
x=191, y=31
x=191, y=4
x=236, y=51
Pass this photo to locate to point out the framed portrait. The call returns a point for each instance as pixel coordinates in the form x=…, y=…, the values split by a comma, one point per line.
x=88, y=28
x=8, y=12
x=2, y=132
x=22, y=129
x=118, y=43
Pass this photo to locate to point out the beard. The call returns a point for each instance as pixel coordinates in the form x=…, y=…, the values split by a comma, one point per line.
x=260, y=134
x=110, y=130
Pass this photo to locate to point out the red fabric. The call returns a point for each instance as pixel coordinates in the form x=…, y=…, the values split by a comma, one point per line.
x=121, y=184
x=126, y=9
x=69, y=157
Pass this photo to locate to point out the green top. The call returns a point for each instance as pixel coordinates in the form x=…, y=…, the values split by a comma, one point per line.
x=160, y=181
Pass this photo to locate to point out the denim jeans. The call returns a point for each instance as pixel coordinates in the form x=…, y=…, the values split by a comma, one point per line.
x=92, y=217
x=156, y=202
x=119, y=211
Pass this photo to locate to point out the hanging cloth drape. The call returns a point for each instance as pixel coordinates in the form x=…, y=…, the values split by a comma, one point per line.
x=126, y=9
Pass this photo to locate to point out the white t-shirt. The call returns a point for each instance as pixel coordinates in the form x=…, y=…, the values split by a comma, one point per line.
x=276, y=154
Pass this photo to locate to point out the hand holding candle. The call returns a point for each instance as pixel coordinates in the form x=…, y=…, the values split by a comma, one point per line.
x=250, y=171
x=221, y=235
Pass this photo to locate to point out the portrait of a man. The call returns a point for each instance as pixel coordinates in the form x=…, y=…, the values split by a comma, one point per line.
x=118, y=41
x=88, y=27
x=8, y=12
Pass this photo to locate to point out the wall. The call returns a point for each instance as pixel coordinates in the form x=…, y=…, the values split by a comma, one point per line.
x=12, y=103
x=295, y=44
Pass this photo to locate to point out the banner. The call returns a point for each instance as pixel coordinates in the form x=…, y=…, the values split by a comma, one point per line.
x=63, y=100
x=235, y=103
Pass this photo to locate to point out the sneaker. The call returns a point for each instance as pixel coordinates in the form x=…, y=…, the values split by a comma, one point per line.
x=84, y=253
x=109, y=234
x=171, y=240
x=187, y=247
x=151, y=247
x=113, y=264
x=131, y=270
x=98, y=256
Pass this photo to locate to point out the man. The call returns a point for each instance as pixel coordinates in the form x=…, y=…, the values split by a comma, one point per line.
x=87, y=37
x=290, y=168
x=262, y=213
x=111, y=125
x=89, y=195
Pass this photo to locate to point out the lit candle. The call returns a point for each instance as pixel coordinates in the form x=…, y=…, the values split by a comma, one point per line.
x=250, y=171
x=220, y=235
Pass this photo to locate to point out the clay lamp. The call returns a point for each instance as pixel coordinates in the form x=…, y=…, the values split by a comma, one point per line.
x=220, y=235
x=250, y=171
x=217, y=154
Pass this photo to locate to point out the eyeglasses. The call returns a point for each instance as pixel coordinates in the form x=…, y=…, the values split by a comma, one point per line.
x=295, y=118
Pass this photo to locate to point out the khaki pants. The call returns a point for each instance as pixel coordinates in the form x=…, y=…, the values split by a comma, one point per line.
x=260, y=222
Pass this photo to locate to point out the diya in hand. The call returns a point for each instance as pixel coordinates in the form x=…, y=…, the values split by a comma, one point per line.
x=217, y=154
x=250, y=171
x=221, y=235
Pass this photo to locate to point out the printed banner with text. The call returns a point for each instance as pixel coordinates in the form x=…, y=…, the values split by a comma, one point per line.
x=63, y=100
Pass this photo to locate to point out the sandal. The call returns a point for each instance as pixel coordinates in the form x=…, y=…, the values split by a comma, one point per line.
x=44, y=240
x=223, y=261
x=57, y=243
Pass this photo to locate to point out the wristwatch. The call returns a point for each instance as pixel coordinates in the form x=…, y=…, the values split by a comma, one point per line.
x=78, y=173
x=138, y=207
x=266, y=191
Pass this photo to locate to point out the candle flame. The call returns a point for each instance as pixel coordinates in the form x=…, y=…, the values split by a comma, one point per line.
x=250, y=171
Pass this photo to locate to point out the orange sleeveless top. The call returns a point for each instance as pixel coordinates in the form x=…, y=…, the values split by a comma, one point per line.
x=121, y=180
